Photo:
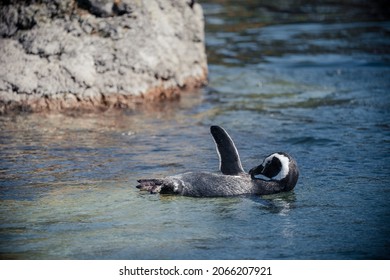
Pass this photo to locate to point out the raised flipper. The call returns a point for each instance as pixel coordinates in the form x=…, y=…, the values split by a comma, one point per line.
x=229, y=160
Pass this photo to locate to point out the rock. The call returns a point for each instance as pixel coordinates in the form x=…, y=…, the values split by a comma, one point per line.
x=97, y=54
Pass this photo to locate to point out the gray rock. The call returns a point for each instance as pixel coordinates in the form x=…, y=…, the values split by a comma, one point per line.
x=86, y=54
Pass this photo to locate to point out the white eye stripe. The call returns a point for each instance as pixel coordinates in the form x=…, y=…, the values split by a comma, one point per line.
x=268, y=160
x=284, y=160
x=285, y=167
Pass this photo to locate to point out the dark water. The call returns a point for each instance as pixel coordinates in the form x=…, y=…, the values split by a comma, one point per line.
x=312, y=80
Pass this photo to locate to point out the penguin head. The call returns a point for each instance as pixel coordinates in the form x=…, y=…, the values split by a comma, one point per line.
x=279, y=167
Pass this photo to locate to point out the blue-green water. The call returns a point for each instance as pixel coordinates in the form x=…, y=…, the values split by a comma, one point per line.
x=312, y=80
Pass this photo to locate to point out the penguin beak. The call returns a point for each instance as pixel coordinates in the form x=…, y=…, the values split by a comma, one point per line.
x=256, y=170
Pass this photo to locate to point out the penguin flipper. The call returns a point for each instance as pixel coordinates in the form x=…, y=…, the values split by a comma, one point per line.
x=229, y=159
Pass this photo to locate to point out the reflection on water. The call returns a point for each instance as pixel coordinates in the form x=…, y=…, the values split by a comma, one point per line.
x=310, y=79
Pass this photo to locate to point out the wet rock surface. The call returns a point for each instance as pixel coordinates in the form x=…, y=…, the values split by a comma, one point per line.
x=59, y=55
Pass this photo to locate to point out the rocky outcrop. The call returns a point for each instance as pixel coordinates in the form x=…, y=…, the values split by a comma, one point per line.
x=57, y=55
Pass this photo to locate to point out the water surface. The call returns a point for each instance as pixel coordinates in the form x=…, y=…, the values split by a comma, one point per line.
x=312, y=80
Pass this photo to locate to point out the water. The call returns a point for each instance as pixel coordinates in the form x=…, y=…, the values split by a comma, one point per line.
x=282, y=77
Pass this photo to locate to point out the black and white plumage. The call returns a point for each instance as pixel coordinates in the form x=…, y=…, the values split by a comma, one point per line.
x=280, y=169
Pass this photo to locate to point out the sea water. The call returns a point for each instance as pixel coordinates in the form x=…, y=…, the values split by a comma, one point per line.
x=311, y=80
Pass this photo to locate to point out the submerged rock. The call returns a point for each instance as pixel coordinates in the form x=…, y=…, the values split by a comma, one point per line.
x=89, y=54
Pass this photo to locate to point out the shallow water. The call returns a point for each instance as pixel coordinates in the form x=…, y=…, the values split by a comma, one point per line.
x=281, y=78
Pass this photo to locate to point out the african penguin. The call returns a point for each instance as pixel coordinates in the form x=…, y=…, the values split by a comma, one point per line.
x=280, y=170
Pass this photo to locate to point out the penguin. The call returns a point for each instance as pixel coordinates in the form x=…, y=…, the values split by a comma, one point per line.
x=279, y=173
